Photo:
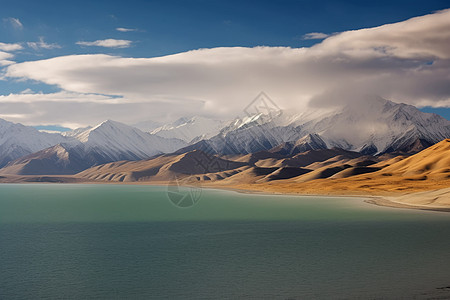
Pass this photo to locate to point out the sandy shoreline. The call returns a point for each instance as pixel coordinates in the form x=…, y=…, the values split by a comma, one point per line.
x=389, y=203
x=368, y=198
x=424, y=200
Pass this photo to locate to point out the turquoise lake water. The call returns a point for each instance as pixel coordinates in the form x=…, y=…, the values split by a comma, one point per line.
x=61, y=241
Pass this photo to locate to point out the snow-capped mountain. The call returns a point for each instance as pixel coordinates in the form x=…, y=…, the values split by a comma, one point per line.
x=75, y=132
x=371, y=126
x=17, y=140
x=190, y=129
x=377, y=125
x=117, y=141
x=61, y=159
x=83, y=148
x=306, y=143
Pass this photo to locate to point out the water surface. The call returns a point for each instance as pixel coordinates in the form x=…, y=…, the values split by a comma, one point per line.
x=122, y=241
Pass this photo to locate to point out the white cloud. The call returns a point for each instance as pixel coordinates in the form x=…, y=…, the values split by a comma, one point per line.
x=315, y=36
x=10, y=47
x=122, y=29
x=27, y=91
x=108, y=43
x=42, y=45
x=14, y=22
x=77, y=110
x=5, y=55
x=5, y=63
x=407, y=62
x=5, y=59
x=28, y=96
x=421, y=37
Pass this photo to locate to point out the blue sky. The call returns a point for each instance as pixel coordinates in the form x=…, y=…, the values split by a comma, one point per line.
x=160, y=28
x=166, y=27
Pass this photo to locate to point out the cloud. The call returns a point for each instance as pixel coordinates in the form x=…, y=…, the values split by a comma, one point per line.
x=121, y=29
x=5, y=55
x=108, y=43
x=406, y=62
x=420, y=37
x=315, y=36
x=77, y=110
x=28, y=96
x=27, y=91
x=42, y=45
x=10, y=47
x=5, y=59
x=14, y=22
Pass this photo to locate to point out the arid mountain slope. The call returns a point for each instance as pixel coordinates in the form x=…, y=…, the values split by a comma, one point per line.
x=251, y=168
x=424, y=171
x=162, y=168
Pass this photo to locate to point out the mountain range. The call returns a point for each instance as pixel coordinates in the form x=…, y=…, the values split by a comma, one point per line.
x=83, y=148
x=371, y=128
x=190, y=129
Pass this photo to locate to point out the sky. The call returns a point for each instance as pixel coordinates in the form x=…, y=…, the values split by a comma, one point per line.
x=77, y=63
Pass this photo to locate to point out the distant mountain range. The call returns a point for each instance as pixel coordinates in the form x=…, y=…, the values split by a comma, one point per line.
x=190, y=129
x=87, y=147
x=373, y=126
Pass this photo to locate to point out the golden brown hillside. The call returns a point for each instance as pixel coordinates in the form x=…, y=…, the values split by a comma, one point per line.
x=428, y=170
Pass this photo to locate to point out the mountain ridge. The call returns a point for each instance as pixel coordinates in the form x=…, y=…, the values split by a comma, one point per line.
x=371, y=127
x=108, y=141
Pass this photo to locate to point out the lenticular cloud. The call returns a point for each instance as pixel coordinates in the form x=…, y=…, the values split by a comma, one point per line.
x=407, y=61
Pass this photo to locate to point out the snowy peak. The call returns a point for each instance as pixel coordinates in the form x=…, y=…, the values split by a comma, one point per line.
x=75, y=132
x=17, y=140
x=375, y=125
x=83, y=148
x=313, y=140
x=119, y=141
x=107, y=128
x=61, y=159
x=308, y=142
x=189, y=130
x=371, y=125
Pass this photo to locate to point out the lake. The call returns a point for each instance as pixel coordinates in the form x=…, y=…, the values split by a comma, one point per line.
x=131, y=241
